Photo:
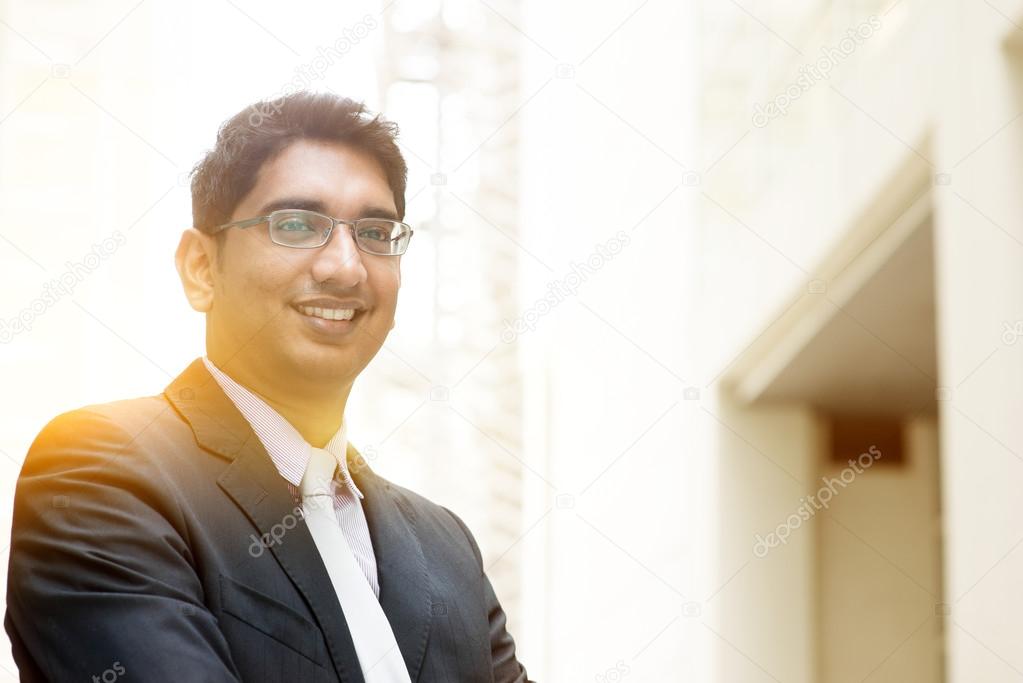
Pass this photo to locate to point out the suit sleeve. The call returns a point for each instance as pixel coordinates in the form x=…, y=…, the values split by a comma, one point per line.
x=507, y=668
x=100, y=576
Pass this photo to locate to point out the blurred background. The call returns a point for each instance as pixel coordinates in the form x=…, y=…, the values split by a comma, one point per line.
x=709, y=328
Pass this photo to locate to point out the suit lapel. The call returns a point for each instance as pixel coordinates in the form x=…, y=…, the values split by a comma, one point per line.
x=253, y=483
x=405, y=589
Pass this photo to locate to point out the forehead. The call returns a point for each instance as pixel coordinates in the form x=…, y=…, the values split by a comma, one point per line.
x=342, y=177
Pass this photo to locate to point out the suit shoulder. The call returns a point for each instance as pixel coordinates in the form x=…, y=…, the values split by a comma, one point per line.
x=418, y=502
x=120, y=413
x=93, y=428
x=428, y=510
x=132, y=412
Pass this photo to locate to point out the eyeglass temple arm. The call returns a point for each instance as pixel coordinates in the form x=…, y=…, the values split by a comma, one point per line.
x=247, y=223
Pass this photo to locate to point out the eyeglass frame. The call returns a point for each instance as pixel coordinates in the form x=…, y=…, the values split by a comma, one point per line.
x=334, y=222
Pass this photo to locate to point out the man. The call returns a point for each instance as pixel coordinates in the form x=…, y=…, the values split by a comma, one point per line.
x=225, y=530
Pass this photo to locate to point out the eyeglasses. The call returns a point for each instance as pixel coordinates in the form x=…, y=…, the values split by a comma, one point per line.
x=301, y=229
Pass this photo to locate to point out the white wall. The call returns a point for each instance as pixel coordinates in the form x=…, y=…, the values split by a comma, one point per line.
x=877, y=596
x=630, y=546
x=765, y=610
x=980, y=291
x=935, y=87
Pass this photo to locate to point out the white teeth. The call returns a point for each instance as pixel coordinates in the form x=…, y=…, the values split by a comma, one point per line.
x=328, y=313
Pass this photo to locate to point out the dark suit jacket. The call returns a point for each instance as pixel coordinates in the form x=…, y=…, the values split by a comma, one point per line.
x=154, y=539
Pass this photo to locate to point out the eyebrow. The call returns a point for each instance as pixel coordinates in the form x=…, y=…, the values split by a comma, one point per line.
x=316, y=205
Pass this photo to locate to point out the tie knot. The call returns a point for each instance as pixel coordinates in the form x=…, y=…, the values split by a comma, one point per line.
x=319, y=473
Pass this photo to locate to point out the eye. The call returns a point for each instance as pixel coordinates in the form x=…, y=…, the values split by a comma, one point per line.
x=376, y=230
x=375, y=234
x=294, y=224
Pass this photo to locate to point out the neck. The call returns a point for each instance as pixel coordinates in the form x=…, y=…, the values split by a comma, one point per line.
x=314, y=410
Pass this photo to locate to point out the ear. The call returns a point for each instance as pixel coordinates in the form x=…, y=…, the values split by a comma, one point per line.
x=194, y=260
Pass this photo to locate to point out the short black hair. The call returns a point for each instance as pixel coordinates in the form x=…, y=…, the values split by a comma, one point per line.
x=261, y=131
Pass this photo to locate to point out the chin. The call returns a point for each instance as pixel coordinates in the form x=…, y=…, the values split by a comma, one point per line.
x=326, y=362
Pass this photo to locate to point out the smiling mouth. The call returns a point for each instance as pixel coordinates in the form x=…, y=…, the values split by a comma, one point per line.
x=327, y=313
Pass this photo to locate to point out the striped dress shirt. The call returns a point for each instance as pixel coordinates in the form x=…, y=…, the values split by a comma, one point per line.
x=290, y=454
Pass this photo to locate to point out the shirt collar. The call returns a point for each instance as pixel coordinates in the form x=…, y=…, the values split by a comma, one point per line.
x=288, y=450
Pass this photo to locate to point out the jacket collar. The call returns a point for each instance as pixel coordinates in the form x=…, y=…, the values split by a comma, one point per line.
x=255, y=486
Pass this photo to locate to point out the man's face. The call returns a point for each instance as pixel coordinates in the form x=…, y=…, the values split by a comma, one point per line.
x=255, y=321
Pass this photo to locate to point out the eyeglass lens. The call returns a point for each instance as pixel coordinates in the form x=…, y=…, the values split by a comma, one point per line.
x=306, y=229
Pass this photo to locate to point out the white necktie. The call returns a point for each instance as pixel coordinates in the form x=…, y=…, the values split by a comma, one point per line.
x=379, y=656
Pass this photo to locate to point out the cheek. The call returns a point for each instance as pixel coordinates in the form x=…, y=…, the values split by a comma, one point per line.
x=258, y=285
x=386, y=280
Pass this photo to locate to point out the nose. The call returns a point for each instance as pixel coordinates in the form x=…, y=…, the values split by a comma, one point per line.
x=340, y=259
